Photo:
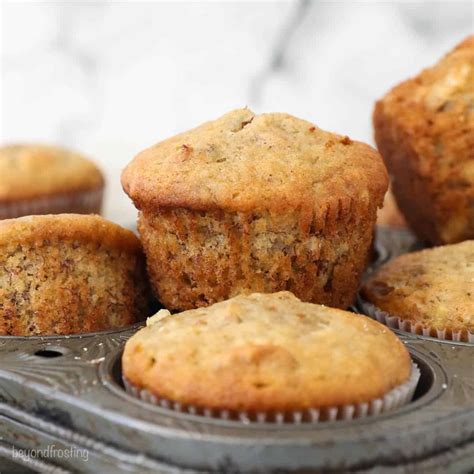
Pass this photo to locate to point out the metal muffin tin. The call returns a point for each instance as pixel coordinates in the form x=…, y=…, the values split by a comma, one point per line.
x=66, y=392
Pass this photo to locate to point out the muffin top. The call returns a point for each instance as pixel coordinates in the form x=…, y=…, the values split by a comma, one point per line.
x=434, y=287
x=30, y=171
x=247, y=162
x=433, y=115
x=65, y=227
x=265, y=352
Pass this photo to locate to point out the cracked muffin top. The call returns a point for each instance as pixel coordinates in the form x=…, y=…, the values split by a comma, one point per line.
x=245, y=162
x=30, y=171
x=265, y=352
x=434, y=287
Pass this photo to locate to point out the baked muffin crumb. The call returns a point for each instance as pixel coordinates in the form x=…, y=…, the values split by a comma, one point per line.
x=69, y=274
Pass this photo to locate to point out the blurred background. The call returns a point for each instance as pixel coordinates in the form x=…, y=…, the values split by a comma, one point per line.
x=110, y=78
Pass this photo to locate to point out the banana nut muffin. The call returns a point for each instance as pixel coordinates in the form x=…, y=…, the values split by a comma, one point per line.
x=42, y=179
x=433, y=288
x=67, y=274
x=256, y=203
x=424, y=128
x=265, y=353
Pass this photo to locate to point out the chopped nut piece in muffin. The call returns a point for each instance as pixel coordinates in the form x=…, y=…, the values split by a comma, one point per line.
x=42, y=179
x=266, y=352
x=256, y=203
x=433, y=288
x=424, y=128
x=68, y=274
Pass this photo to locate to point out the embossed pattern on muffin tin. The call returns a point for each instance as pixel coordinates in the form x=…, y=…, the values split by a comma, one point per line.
x=66, y=391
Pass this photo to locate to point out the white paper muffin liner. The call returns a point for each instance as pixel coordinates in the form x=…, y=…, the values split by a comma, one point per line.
x=394, y=399
x=83, y=202
x=395, y=322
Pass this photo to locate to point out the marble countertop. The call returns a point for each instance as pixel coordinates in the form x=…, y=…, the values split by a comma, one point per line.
x=109, y=78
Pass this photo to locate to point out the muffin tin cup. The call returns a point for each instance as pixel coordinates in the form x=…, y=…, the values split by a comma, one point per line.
x=395, y=322
x=83, y=202
x=395, y=398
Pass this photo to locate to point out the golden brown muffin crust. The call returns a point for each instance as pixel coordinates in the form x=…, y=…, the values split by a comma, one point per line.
x=29, y=171
x=71, y=227
x=247, y=162
x=424, y=129
x=434, y=287
x=266, y=352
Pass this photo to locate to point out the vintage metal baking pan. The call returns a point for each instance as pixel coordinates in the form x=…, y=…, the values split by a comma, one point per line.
x=64, y=394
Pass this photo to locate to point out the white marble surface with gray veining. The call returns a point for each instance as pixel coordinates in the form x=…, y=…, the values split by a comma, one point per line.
x=110, y=78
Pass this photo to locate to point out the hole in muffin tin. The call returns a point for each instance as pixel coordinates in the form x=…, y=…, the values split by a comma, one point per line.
x=429, y=387
x=49, y=353
x=426, y=382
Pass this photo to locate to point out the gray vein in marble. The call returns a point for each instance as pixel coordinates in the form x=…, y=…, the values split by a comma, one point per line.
x=279, y=50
